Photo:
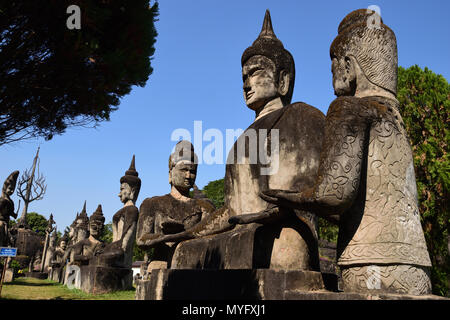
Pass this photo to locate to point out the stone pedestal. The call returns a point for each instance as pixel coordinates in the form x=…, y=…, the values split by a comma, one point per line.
x=98, y=279
x=56, y=274
x=9, y=275
x=246, y=284
x=257, y=284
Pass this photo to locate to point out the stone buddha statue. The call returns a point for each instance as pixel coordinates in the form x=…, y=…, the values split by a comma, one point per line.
x=78, y=231
x=58, y=254
x=85, y=249
x=366, y=174
x=82, y=224
x=174, y=212
x=119, y=253
x=293, y=134
x=7, y=207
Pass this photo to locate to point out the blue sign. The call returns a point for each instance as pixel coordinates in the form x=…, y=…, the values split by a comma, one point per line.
x=8, y=252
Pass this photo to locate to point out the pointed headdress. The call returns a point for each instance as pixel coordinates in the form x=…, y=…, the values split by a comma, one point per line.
x=267, y=44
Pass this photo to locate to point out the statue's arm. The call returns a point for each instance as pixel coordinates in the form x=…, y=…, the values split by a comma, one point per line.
x=217, y=222
x=343, y=151
x=146, y=223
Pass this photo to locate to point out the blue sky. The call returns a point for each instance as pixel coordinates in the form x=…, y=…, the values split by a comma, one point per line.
x=197, y=77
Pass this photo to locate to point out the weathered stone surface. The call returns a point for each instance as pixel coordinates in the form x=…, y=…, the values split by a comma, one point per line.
x=56, y=274
x=7, y=207
x=97, y=279
x=9, y=275
x=28, y=242
x=256, y=284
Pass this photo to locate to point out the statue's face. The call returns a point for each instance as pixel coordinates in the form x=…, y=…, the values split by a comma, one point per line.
x=183, y=175
x=63, y=245
x=126, y=192
x=95, y=228
x=343, y=76
x=258, y=75
x=71, y=232
x=9, y=189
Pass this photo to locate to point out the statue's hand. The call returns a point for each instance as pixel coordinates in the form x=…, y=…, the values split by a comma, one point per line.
x=285, y=198
x=259, y=217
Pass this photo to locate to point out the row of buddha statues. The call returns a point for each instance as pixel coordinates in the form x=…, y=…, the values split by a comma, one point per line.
x=353, y=167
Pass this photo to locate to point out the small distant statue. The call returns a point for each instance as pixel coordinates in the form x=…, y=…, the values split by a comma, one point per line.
x=85, y=249
x=37, y=261
x=174, y=212
x=78, y=231
x=119, y=253
x=58, y=254
x=366, y=173
x=7, y=207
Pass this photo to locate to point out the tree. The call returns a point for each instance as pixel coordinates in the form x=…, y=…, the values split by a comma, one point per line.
x=37, y=222
x=215, y=190
x=53, y=77
x=107, y=234
x=425, y=107
x=30, y=189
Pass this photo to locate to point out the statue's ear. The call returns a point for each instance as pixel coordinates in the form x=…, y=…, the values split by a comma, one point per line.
x=283, y=83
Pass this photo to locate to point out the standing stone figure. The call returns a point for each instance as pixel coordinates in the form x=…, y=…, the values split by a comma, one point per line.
x=292, y=135
x=7, y=207
x=119, y=253
x=85, y=249
x=366, y=172
x=48, y=231
x=49, y=252
x=173, y=212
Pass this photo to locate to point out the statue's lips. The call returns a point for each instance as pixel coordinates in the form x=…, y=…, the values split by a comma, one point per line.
x=250, y=94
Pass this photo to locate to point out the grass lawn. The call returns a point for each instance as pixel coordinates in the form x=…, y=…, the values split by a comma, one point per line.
x=36, y=289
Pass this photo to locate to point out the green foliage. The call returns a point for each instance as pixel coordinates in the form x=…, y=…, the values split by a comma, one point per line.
x=37, y=222
x=107, y=234
x=214, y=190
x=52, y=77
x=425, y=106
x=138, y=254
x=328, y=231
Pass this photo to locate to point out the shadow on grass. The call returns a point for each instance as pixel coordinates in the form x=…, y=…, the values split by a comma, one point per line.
x=31, y=284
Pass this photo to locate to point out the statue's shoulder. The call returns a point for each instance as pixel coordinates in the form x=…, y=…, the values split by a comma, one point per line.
x=205, y=204
x=154, y=202
x=362, y=107
x=304, y=109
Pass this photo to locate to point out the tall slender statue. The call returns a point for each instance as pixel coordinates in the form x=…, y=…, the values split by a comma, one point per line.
x=366, y=173
x=119, y=253
x=7, y=207
x=279, y=150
